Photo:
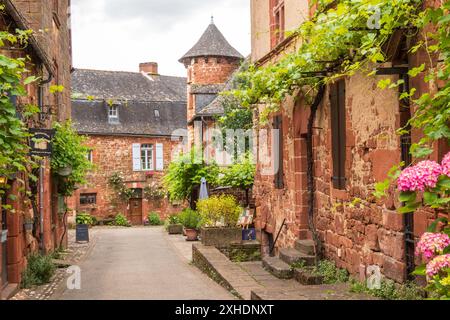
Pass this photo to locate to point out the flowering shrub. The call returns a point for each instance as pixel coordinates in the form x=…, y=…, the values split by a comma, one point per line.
x=432, y=244
x=430, y=180
x=428, y=177
x=438, y=264
x=424, y=175
x=446, y=165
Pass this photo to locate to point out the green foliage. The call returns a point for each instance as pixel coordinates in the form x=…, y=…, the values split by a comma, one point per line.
x=154, y=219
x=117, y=183
x=174, y=219
x=69, y=151
x=85, y=218
x=154, y=192
x=222, y=209
x=240, y=175
x=336, y=40
x=121, y=221
x=190, y=219
x=186, y=173
x=389, y=290
x=39, y=271
x=330, y=273
x=14, y=148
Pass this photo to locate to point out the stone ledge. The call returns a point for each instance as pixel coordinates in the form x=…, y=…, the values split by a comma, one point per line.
x=277, y=267
x=214, y=263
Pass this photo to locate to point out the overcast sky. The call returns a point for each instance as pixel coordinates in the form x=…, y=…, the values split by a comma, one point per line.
x=119, y=34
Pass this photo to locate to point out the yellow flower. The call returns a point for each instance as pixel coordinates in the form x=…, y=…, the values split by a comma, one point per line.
x=446, y=281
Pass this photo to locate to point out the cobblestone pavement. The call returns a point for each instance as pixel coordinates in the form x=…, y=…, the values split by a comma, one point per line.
x=74, y=254
x=141, y=263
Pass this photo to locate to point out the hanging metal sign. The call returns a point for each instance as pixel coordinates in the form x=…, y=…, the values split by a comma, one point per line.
x=41, y=142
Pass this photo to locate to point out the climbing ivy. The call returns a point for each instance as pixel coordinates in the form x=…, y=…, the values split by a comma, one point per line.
x=13, y=130
x=349, y=36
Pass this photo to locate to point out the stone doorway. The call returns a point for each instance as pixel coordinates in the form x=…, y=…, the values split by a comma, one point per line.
x=136, y=211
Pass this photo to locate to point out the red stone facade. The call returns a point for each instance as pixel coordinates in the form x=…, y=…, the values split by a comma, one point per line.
x=356, y=229
x=55, y=47
x=114, y=154
x=207, y=71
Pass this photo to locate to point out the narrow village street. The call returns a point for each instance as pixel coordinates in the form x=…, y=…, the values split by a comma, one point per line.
x=143, y=264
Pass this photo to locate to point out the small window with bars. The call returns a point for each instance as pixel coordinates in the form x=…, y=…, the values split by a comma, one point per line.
x=88, y=199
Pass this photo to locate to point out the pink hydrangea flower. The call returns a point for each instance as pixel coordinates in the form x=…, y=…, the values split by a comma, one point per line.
x=437, y=264
x=446, y=165
x=431, y=244
x=419, y=177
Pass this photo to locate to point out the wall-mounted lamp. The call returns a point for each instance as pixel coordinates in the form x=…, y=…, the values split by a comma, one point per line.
x=3, y=180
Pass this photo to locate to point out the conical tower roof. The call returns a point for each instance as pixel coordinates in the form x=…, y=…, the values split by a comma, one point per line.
x=212, y=44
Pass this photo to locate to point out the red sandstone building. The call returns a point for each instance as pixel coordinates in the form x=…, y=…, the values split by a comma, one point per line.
x=50, y=55
x=135, y=121
x=355, y=144
x=210, y=64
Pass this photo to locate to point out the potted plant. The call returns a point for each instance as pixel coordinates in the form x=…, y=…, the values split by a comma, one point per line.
x=220, y=215
x=174, y=226
x=83, y=220
x=191, y=220
x=28, y=223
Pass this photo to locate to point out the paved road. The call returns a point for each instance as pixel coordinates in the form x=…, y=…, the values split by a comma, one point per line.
x=141, y=263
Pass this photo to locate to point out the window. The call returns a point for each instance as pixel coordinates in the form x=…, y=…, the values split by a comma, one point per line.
x=88, y=198
x=157, y=113
x=278, y=125
x=277, y=21
x=90, y=156
x=337, y=102
x=147, y=157
x=113, y=114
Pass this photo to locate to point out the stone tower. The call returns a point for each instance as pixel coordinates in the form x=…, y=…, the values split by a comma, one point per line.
x=210, y=64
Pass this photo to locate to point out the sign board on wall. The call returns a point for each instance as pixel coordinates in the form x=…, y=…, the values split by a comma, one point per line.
x=41, y=142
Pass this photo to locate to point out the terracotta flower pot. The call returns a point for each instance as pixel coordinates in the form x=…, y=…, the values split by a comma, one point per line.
x=191, y=235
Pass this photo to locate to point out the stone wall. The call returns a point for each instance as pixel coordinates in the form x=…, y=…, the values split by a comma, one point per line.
x=51, y=30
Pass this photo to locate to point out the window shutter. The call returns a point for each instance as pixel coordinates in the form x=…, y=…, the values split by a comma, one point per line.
x=278, y=181
x=159, y=157
x=337, y=102
x=136, y=157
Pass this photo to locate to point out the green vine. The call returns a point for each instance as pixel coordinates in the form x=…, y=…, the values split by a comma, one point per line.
x=14, y=149
x=69, y=151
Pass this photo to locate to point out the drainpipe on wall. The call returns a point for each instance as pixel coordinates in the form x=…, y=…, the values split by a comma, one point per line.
x=310, y=170
x=41, y=167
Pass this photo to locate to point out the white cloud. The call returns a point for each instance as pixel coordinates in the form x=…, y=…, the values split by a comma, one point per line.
x=119, y=34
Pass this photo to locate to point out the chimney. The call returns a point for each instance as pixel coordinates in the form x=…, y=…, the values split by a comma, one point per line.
x=150, y=68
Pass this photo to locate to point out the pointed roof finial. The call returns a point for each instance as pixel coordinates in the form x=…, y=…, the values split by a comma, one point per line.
x=212, y=19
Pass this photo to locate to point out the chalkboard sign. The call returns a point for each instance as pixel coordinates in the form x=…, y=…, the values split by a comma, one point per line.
x=82, y=233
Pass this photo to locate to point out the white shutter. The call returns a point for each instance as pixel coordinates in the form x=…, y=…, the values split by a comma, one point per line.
x=136, y=157
x=159, y=157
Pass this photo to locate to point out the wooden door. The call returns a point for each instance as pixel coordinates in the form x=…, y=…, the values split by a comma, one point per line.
x=136, y=211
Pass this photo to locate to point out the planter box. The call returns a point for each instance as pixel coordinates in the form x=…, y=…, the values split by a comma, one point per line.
x=82, y=233
x=175, y=229
x=220, y=237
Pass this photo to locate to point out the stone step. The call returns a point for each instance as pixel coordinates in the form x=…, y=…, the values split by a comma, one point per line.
x=292, y=256
x=305, y=246
x=306, y=277
x=277, y=267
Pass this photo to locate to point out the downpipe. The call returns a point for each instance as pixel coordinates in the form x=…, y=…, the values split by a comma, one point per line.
x=310, y=171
